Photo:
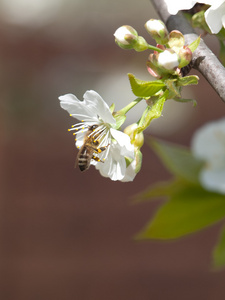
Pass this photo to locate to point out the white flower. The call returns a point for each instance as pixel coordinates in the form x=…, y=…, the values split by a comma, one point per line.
x=93, y=111
x=173, y=6
x=208, y=144
x=214, y=15
x=168, y=60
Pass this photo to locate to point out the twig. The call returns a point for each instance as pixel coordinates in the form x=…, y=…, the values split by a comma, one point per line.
x=203, y=58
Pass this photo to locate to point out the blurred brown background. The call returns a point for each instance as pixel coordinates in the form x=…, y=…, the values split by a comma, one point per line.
x=67, y=235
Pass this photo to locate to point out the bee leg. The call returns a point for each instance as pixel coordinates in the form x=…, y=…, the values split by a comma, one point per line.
x=97, y=159
x=101, y=149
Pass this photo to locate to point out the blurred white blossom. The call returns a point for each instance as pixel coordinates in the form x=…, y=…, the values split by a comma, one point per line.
x=214, y=15
x=208, y=144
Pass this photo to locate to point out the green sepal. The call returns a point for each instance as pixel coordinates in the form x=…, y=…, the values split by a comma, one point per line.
x=187, y=80
x=194, y=102
x=128, y=161
x=112, y=107
x=143, y=88
x=177, y=159
x=198, y=20
x=174, y=90
x=222, y=52
x=190, y=209
x=138, y=157
x=120, y=119
x=194, y=45
x=221, y=34
x=219, y=251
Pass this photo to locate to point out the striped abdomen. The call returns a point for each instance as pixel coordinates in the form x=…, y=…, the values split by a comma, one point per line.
x=84, y=158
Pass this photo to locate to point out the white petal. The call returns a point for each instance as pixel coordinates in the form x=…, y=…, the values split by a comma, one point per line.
x=213, y=180
x=120, y=34
x=155, y=25
x=209, y=141
x=91, y=108
x=127, y=149
x=168, y=60
x=174, y=6
x=79, y=109
x=114, y=166
x=130, y=172
x=223, y=20
x=95, y=101
x=214, y=15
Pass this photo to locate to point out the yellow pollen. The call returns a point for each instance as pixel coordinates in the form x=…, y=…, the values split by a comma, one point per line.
x=74, y=133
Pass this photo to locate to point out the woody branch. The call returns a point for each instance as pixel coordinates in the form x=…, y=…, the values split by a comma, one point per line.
x=203, y=59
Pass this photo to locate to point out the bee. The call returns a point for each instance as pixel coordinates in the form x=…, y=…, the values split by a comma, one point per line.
x=89, y=148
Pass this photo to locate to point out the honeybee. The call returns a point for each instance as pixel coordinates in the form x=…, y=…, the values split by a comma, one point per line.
x=88, y=149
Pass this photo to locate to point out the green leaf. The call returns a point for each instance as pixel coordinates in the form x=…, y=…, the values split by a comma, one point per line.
x=177, y=159
x=159, y=190
x=190, y=209
x=219, y=251
x=194, y=45
x=120, y=119
x=145, y=89
x=187, y=80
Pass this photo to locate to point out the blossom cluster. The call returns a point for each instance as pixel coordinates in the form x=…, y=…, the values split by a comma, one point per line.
x=170, y=54
x=98, y=136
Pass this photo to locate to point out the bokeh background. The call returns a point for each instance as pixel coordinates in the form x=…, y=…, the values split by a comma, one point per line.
x=67, y=235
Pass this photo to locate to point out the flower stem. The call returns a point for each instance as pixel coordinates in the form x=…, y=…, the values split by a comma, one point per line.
x=124, y=110
x=151, y=112
x=155, y=48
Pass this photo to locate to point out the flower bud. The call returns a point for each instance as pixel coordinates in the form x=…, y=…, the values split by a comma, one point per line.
x=126, y=37
x=141, y=44
x=152, y=66
x=176, y=40
x=138, y=160
x=158, y=31
x=185, y=55
x=137, y=139
x=168, y=60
